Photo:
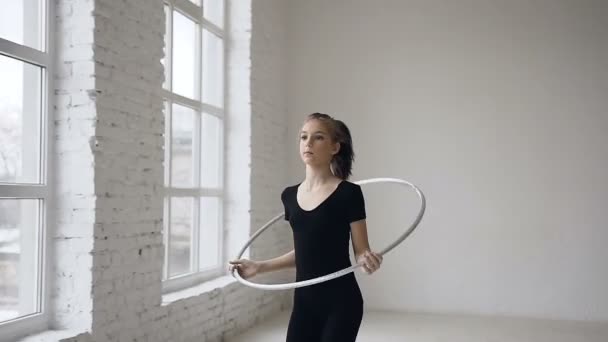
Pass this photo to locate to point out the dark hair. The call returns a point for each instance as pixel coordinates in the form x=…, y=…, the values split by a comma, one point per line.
x=342, y=162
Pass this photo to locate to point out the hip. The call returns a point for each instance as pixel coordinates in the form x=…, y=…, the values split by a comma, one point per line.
x=341, y=289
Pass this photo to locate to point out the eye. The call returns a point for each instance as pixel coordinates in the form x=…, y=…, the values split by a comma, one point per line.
x=303, y=137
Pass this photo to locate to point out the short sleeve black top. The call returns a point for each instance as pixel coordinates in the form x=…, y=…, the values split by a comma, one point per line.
x=321, y=235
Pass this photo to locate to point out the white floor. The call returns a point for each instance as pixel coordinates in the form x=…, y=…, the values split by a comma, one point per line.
x=387, y=326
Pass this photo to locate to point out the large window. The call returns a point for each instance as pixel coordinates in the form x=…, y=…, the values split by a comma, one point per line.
x=194, y=133
x=24, y=143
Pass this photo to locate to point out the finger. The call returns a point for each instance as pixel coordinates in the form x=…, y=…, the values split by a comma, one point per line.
x=371, y=255
x=364, y=260
x=372, y=266
x=364, y=266
x=378, y=259
x=377, y=256
x=366, y=256
x=372, y=262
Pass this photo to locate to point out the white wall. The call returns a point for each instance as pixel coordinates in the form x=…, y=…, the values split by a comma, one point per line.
x=498, y=110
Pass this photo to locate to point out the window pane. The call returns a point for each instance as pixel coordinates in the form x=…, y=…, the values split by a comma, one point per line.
x=20, y=99
x=184, y=55
x=20, y=22
x=214, y=11
x=19, y=267
x=213, y=69
x=166, y=47
x=180, y=231
x=167, y=135
x=209, y=232
x=181, y=146
x=211, y=149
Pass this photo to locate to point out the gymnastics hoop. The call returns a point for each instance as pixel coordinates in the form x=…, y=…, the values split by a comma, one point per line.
x=340, y=273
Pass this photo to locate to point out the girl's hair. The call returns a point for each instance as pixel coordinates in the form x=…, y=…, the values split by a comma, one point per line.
x=342, y=162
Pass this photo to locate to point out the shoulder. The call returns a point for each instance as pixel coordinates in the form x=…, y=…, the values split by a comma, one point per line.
x=351, y=186
x=351, y=190
x=289, y=189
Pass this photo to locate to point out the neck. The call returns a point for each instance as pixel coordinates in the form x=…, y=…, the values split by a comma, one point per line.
x=318, y=177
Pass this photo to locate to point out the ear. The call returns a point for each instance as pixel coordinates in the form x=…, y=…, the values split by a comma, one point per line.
x=336, y=148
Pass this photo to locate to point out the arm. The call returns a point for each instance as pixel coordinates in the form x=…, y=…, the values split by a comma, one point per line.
x=371, y=261
x=284, y=261
x=359, y=235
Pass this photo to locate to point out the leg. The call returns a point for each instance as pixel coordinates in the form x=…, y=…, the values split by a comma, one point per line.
x=342, y=324
x=304, y=326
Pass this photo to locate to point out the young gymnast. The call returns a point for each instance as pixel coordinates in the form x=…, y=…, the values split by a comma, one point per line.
x=324, y=211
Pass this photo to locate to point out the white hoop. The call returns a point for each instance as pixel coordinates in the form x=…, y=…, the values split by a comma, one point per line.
x=340, y=273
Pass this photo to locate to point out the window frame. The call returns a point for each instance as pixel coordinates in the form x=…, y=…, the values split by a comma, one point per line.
x=44, y=189
x=195, y=13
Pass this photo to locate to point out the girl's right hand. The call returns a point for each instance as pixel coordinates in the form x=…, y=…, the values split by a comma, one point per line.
x=246, y=268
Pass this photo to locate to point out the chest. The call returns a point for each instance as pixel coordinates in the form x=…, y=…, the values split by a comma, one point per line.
x=309, y=201
x=318, y=215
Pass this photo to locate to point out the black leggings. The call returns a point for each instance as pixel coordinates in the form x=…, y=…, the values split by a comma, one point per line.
x=324, y=314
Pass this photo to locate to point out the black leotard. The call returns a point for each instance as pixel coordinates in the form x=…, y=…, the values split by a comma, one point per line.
x=332, y=310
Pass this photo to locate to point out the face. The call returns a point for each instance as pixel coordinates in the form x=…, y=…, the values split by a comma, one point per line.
x=316, y=145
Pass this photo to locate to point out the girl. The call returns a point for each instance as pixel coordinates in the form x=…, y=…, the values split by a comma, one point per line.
x=324, y=210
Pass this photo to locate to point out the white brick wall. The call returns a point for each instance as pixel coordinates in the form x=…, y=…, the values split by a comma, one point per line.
x=75, y=116
x=107, y=242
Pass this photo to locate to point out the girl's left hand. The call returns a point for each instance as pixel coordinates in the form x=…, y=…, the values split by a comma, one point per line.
x=371, y=261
